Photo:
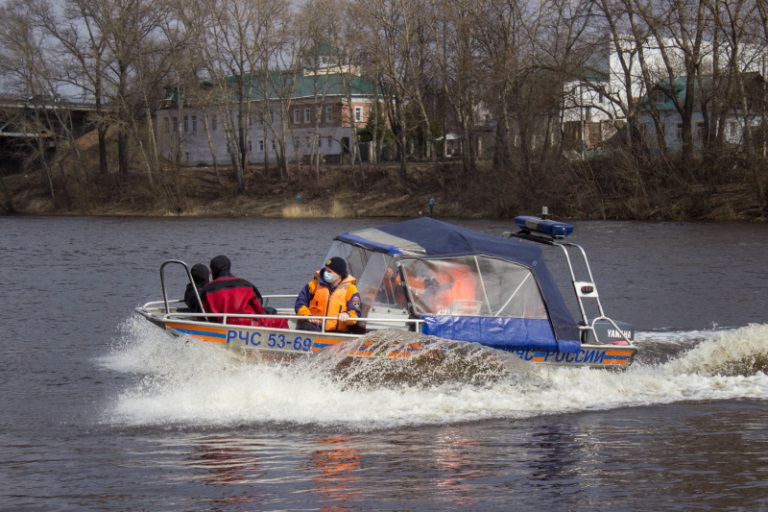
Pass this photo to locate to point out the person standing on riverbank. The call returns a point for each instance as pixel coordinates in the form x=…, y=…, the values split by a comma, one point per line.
x=431, y=205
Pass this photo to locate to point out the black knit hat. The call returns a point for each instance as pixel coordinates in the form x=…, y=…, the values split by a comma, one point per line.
x=220, y=266
x=200, y=274
x=338, y=265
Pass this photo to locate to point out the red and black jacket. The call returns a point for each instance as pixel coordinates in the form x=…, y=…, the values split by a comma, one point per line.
x=231, y=294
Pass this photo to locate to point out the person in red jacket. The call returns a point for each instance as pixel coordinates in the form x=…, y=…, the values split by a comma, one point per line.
x=230, y=294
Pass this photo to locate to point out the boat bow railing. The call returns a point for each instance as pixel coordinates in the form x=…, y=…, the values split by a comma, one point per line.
x=163, y=312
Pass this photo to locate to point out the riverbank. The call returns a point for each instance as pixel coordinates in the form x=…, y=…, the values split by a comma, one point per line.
x=344, y=192
x=203, y=192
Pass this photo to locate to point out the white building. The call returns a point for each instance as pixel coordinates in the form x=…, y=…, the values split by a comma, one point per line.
x=600, y=95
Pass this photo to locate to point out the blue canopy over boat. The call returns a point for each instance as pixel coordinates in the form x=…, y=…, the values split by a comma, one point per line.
x=427, y=237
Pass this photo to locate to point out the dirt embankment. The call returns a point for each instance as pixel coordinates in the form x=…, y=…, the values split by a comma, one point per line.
x=339, y=193
x=343, y=192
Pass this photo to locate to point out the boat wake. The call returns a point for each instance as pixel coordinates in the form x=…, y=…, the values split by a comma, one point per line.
x=733, y=353
x=185, y=382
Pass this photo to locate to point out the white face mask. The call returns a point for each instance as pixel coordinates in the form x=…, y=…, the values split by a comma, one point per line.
x=327, y=276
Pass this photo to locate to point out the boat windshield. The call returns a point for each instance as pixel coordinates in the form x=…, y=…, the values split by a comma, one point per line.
x=470, y=285
x=380, y=286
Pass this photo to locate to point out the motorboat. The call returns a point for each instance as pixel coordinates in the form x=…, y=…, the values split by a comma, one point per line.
x=439, y=281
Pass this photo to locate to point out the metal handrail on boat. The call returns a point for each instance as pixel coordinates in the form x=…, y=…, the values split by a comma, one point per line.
x=189, y=276
x=149, y=307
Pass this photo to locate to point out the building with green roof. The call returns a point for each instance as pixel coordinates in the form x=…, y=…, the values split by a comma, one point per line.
x=295, y=115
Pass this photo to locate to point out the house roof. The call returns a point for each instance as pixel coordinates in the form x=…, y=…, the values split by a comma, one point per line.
x=669, y=89
x=282, y=84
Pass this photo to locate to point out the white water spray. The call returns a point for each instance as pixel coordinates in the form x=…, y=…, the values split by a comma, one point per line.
x=187, y=382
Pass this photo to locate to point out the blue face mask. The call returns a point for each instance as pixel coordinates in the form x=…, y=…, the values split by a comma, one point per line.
x=327, y=276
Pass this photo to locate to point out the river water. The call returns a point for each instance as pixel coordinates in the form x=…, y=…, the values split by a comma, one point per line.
x=102, y=411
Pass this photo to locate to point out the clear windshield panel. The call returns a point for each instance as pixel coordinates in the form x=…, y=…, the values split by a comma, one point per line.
x=379, y=284
x=473, y=285
x=354, y=256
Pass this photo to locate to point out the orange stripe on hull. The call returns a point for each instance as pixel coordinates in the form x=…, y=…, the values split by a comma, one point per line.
x=205, y=333
x=615, y=361
x=618, y=357
x=324, y=344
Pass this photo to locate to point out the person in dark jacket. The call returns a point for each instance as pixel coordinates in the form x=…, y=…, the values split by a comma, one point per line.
x=231, y=294
x=200, y=277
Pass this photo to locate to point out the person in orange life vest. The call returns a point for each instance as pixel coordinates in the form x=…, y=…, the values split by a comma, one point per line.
x=231, y=294
x=444, y=289
x=331, y=293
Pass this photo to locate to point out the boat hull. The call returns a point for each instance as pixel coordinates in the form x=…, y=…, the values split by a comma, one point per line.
x=287, y=344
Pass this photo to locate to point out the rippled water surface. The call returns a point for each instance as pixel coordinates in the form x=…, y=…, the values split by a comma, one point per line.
x=102, y=411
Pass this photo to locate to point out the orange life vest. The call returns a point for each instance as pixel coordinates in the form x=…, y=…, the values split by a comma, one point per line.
x=325, y=303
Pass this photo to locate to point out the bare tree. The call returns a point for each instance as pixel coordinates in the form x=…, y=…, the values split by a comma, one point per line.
x=679, y=28
x=382, y=26
x=239, y=46
x=472, y=36
x=499, y=43
x=281, y=50
x=745, y=51
x=320, y=26
x=84, y=49
x=25, y=71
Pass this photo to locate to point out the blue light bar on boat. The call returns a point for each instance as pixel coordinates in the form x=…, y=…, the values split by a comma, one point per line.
x=547, y=227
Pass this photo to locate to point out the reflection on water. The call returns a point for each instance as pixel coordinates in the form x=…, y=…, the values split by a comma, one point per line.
x=455, y=455
x=228, y=462
x=555, y=454
x=335, y=471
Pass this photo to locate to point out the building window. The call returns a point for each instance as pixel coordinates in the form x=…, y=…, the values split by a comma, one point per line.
x=194, y=124
x=166, y=124
x=175, y=125
x=679, y=131
x=330, y=142
x=296, y=116
x=358, y=114
x=733, y=130
x=250, y=146
x=186, y=124
x=307, y=115
x=261, y=145
x=329, y=114
x=319, y=142
x=657, y=96
x=274, y=147
x=700, y=131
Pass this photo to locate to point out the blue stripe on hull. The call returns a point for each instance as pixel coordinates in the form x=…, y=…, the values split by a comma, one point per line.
x=195, y=332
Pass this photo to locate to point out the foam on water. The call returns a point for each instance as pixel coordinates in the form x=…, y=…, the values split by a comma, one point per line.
x=186, y=382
